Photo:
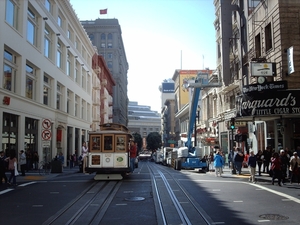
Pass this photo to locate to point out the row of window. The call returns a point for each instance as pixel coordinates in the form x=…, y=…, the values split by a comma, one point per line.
x=102, y=36
x=12, y=17
x=268, y=41
x=12, y=80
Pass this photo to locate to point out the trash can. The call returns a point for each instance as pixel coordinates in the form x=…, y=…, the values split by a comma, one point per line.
x=56, y=166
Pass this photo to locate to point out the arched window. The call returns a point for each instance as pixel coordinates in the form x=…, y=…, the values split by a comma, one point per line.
x=103, y=37
x=109, y=36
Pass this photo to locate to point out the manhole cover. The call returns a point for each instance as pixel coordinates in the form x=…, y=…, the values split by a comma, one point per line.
x=135, y=199
x=273, y=217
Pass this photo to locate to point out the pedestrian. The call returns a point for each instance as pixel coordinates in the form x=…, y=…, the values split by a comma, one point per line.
x=229, y=158
x=276, y=168
x=74, y=159
x=259, y=160
x=3, y=167
x=12, y=167
x=71, y=159
x=233, y=154
x=218, y=163
x=35, y=159
x=29, y=161
x=238, y=160
x=294, y=168
x=84, y=152
x=284, y=164
x=211, y=161
x=267, y=157
x=133, y=154
x=22, y=162
x=252, y=166
x=61, y=158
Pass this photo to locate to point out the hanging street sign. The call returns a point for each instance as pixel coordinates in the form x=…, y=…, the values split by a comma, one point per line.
x=45, y=144
x=46, y=135
x=46, y=124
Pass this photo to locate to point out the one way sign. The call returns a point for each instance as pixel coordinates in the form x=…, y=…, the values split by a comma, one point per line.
x=46, y=135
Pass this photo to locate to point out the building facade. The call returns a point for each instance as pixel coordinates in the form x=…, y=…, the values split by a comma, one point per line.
x=46, y=78
x=142, y=120
x=167, y=89
x=106, y=35
x=102, y=92
x=258, y=52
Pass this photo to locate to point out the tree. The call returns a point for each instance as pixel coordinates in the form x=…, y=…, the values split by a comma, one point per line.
x=138, y=139
x=153, y=141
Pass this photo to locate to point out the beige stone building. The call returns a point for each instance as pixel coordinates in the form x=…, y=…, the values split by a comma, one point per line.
x=258, y=63
x=46, y=78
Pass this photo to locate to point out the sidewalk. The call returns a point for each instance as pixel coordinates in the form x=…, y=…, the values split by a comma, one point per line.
x=245, y=175
x=33, y=175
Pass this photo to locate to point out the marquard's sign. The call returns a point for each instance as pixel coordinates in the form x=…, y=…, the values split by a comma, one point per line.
x=269, y=103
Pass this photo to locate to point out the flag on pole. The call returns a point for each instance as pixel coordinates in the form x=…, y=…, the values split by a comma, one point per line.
x=103, y=11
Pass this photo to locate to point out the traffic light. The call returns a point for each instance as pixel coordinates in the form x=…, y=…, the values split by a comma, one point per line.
x=232, y=121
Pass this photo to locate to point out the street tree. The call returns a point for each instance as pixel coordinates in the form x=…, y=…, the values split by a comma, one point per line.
x=153, y=141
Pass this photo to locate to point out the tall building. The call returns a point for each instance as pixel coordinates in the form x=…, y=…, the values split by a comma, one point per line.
x=142, y=120
x=258, y=61
x=106, y=35
x=270, y=98
x=46, y=78
x=227, y=72
x=169, y=137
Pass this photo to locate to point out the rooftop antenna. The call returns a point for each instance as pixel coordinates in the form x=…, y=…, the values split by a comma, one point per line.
x=180, y=59
x=203, y=61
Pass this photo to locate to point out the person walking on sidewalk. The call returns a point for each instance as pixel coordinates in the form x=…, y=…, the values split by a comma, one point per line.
x=238, y=160
x=276, y=168
x=259, y=160
x=267, y=157
x=12, y=167
x=284, y=165
x=218, y=163
x=252, y=166
x=295, y=168
x=3, y=167
x=22, y=161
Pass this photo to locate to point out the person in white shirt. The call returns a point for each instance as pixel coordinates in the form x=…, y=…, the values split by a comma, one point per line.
x=84, y=153
x=22, y=161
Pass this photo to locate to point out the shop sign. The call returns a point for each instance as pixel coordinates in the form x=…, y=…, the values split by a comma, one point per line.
x=262, y=69
x=269, y=103
x=270, y=86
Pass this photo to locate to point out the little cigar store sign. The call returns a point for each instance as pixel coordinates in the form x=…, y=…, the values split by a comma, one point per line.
x=268, y=103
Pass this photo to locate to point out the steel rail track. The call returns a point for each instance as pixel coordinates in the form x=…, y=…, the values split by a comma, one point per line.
x=181, y=212
x=99, y=194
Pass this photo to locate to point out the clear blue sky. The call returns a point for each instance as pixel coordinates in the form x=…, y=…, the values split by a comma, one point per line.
x=155, y=32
